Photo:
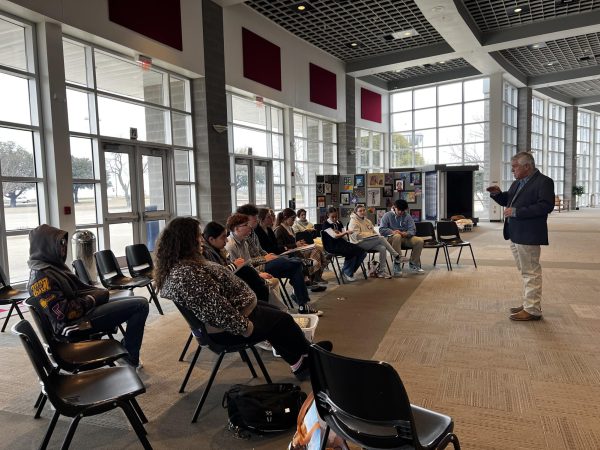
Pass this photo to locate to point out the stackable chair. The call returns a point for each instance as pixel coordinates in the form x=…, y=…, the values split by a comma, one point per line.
x=72, y=356
x=426, y=231
x=448, y=234
x=199, y=332
x=111, y=276
x=365, y=402
x=10, y=296
x=140, y=264
x=83, y=394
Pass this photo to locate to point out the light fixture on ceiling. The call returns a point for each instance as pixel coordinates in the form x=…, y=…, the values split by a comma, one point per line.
x=537, y=45
x=442, y=62
x=354, y=44
x=437, y=9
x=566, y=2
x=517, y=10
x=301, y=7
x=551, y=63
x=402, y=34
x=585, y=58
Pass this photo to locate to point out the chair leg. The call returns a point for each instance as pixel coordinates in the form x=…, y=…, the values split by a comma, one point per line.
x=324, y=438
x=287, y=300
x=472, y=255
x=208, y=386
x=12, y=306
x=186, y=346
x=50, y=430
x=338, y=278
x=135, y=424
x=245, y=358
x=189, y=372
x=261, y=364
x=448, y=260
x=154, y=297
x=459, y=253
x=40, y=407
x=437, y=251
x=39, y=399
x=71, y=432
x=449, y=438
x=138, y=410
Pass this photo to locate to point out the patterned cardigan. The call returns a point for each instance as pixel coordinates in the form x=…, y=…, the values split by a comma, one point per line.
x=215, y=295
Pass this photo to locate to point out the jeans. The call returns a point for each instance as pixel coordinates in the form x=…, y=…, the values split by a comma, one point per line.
x=380, y=245
x=133, y=310
x=275, y=326
x=291, y=268
x=527, y=258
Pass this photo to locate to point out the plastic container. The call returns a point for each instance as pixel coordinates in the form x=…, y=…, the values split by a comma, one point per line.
x=309, y=331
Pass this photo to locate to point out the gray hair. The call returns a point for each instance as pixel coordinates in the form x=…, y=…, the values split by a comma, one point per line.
x=524, y=158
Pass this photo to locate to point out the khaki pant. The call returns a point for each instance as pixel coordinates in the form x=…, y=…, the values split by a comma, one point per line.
x=527, y=258
x=415, y=243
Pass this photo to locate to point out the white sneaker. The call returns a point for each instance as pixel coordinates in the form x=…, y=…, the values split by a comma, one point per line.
x=384, y=274
x=416, y=269
x=348, y=278
x=265, y=345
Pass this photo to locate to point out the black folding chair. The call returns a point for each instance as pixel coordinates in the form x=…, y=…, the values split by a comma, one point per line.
x=10, y=296
x=140, y=264
x=448, y=234
x=381, y=417
x=111, y=276
x=426, y=231
x=72, y=356
x=198, y=330
x=83, y=394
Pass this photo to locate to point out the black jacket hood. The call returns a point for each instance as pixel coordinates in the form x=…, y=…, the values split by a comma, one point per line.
x=45, y=247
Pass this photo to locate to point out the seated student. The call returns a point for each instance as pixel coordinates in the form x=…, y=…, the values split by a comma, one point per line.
x=399, y=228
x=75, y=309
x=264, y=231
x=226, y=305
x=265, y=287
x=286, y=237
x=334, y=242
x=301, y=224
x=241, y=245
x=363, y=235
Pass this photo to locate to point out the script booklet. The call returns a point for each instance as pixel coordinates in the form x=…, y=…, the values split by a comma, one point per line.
x=298, y=249
x=246, y=263
x=368, y=238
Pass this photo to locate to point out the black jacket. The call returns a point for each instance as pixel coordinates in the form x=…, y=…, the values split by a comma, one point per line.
x=533, y=204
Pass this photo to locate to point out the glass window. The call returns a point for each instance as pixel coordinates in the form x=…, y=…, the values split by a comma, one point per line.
x=15, y=105
x=369, y=151
x=13, y=37
x=450, y=93
x=425, y=98
x=402, y=101
x=75, y=62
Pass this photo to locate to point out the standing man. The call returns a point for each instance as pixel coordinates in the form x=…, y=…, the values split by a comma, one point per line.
x=399, y=228
x=527, y=204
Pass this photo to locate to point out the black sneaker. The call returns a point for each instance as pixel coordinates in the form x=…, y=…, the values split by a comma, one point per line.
x=306, y=309
x=317, y=288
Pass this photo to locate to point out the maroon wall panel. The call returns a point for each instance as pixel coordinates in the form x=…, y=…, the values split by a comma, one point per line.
x=370, y=105
x=156, y=19
x=323, y=86
x=262, y=60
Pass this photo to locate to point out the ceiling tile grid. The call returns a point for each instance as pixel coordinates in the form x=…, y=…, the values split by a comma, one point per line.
x=333, y=25
x=580, y=89
x=495, y=14
x=427, y=69
x=562, y=54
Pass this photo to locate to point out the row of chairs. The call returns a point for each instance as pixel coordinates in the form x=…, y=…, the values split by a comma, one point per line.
x=448, y=236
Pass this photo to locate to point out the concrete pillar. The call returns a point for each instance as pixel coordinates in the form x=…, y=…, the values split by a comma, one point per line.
x=570, y=153
x=524, y=119
x=210, y=108
x=347, y=132
x=495, y=152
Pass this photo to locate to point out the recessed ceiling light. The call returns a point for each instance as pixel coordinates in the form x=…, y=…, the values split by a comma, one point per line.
x=437, y=9
x=354, y=44
x=566, y=2
x=537, y=45
x=442, y=62
x=301, y=7
x=551, y=63
x=403, y=34
x=517, y=10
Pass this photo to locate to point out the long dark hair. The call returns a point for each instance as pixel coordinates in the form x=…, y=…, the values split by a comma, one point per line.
x=284, y=215
x=177, y=242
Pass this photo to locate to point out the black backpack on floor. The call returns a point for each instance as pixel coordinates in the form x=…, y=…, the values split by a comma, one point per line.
x=265, y=408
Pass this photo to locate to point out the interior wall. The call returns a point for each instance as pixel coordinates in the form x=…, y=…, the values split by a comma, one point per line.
x=384, y=126
x=89, y=19
x=296, y=55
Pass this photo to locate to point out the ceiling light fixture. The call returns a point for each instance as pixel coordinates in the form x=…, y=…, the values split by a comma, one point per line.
x=517, y=10
x=354, y=44
x=537, y=45
x=301, y=7
x=551, y=63
x=402, y=34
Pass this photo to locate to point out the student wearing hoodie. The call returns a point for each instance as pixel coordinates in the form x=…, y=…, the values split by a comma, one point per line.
x=75, y=309
x=363, y=235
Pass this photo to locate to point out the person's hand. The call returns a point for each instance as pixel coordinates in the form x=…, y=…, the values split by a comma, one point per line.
x=249, y=329
x=493, y=189
x=508, y=212
x=270, y=257
x=265, y=275
x=239, y=262
x=404, y=234
x=397, y=232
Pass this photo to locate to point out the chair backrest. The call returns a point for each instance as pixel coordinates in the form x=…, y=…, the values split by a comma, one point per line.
x=43, y=323
x=362, y=392
x=3, y=280
x=447, y=230
x=107, y=266
x=425, y=230
x=35, y=350
x=139, y=260
x=196, y=325
x=81, y=272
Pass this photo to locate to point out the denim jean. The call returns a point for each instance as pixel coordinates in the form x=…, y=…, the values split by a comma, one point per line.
x=291, y=268
x=132, y=310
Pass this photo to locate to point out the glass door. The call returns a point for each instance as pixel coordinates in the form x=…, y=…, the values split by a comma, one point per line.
x=136, y=196
x=253, y=181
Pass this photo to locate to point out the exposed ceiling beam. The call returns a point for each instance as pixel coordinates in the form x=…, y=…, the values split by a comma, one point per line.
x=593, y=108
x=226, y=3
x=375, y=81
x=547, y=30
x=584, y=101
x=432, y=78
x=557, y=95
x=564, y=77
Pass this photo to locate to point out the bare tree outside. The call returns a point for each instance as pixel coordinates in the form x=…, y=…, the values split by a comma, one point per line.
x=15, y=161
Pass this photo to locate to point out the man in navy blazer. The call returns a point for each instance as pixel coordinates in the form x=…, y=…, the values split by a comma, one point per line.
x=527, y=204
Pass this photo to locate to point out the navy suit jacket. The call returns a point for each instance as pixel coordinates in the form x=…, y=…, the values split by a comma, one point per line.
x=533, y=204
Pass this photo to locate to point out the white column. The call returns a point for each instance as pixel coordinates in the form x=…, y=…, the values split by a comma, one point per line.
x=495, y=162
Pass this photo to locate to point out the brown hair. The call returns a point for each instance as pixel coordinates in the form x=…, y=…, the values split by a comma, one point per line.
x=235, y=220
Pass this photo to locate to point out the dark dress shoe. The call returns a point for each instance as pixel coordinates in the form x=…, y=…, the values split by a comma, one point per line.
x=516, y=309
x=524, y=315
